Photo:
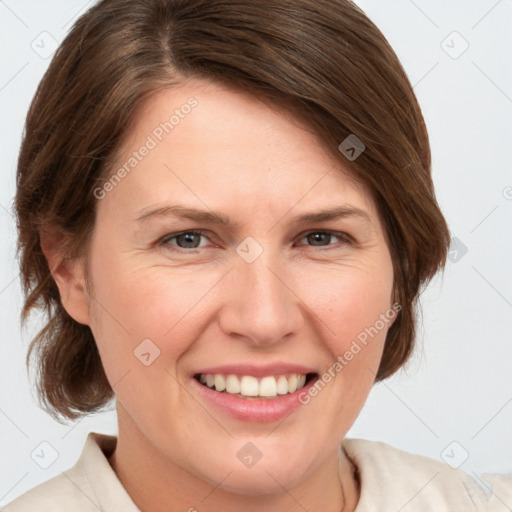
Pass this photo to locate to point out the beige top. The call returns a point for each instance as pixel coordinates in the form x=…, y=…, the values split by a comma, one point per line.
x=391, y=480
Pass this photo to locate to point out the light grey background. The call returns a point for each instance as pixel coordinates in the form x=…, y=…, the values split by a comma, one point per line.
x=454, y=400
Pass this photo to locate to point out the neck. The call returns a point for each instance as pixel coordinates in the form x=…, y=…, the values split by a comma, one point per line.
x=156, y=484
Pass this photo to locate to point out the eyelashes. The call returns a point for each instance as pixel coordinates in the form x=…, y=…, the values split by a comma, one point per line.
x=187, y=237
x=165, y=241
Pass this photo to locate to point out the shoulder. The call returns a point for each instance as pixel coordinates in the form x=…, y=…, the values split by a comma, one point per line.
x=392, y=479
x=90, y=485
x=57, y=494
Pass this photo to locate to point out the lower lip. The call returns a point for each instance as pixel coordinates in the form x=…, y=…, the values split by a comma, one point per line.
x=261, y=410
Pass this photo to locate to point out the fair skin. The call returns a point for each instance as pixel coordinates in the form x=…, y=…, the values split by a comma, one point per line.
x=302, y=301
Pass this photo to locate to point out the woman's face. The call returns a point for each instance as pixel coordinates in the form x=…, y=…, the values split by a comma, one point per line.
x=263, y=296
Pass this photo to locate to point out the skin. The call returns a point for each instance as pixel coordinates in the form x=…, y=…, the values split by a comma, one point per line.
x=300, y=302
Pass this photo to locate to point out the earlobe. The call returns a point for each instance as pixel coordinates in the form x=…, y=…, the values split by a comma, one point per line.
x=68, y=274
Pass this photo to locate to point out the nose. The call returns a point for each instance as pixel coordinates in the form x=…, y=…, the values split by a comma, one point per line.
x=262, y=306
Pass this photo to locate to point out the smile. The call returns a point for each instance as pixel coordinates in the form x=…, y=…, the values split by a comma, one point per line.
x=247, y=386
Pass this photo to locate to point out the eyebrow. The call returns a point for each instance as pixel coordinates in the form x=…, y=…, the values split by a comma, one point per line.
x=215, y=218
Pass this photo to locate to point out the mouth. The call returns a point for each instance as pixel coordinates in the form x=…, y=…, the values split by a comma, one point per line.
x=253, y=387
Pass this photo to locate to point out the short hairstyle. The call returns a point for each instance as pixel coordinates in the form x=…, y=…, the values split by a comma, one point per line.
x=323, y=61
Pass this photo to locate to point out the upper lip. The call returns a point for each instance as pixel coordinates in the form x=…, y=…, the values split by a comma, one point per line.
x=255, y=370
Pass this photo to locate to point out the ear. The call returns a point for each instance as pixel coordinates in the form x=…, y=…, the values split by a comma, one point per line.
x=68, y=274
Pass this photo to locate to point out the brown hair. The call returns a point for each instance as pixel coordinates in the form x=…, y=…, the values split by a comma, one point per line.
x=324, y=61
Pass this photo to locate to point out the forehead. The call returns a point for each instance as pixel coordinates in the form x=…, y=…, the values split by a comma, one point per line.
x=211, y=146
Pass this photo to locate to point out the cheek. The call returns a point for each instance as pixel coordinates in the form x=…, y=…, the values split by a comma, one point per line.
x=353, y=303
x=357, y=311
x=149, y=325
x=355, y=351
x=132, y=306
x=155, y=310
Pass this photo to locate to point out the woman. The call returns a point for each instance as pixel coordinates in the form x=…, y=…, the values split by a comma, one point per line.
x=226, y=209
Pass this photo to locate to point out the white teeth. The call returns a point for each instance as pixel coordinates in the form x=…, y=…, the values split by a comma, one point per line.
x=282, y=385
x=220, y=382
x=232, y=384
x=268, y=386
x=248, y=385
x=292, y=383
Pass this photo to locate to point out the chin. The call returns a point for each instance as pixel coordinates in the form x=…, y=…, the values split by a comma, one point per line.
x=266, y=476
x=258, y=482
